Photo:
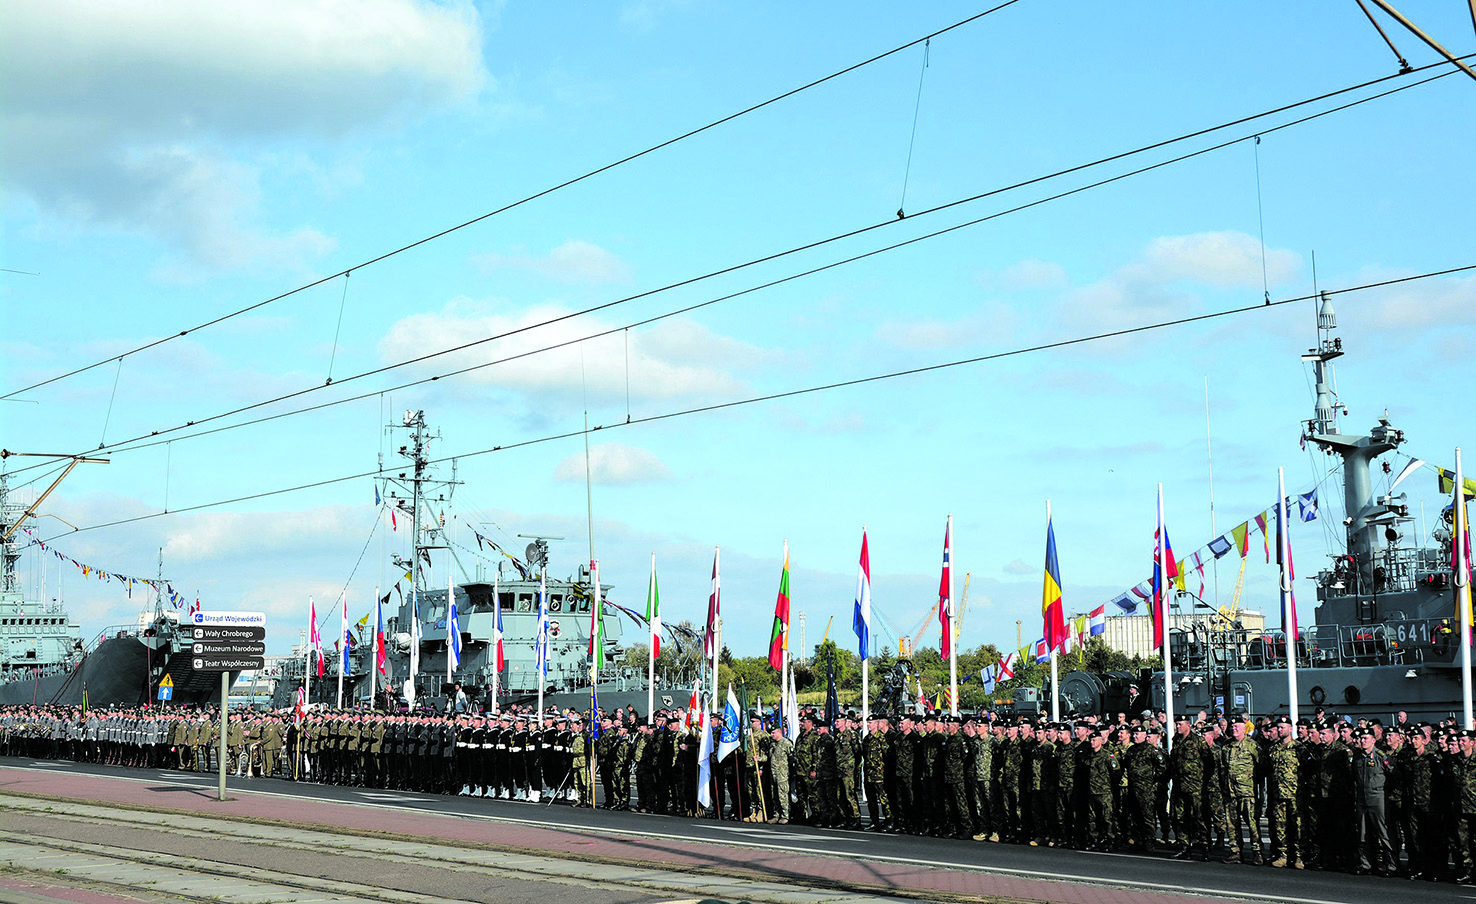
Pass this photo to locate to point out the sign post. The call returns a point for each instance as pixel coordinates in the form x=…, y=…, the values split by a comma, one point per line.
x=226, y=642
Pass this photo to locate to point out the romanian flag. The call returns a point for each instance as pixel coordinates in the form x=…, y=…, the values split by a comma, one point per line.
x=945, y=593
x=778, y=638
x=1051, y=607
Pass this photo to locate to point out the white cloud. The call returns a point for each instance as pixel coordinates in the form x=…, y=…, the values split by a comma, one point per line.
x=674, y=359
x=1448, y=301
x=1161, y=283
x=613, y=463
x=128, y=116
x=575, y=261
x=1032, y=274
x=1223, y=259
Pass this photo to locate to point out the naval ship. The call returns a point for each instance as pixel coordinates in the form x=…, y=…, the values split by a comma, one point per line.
x=43, y=659
x=1385, y=638
x=416, y=623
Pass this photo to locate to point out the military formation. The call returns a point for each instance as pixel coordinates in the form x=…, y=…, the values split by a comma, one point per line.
x=1326, y=794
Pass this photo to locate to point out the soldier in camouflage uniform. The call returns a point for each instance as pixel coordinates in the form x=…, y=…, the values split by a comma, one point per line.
x=1242, y=760
x=1466, y=821
x=1336, y=790
x=780, y=749
x=1143, y=764
x=1012, y=762
x=1070, y=744
x=1186, y=770
x=1043, y=787
x=904, y=750
x=980, y=770
x=1101, y=775
x=955, y=819
x=874, y=750
x=826, y=793
x=1282, y=810
x=803, y=770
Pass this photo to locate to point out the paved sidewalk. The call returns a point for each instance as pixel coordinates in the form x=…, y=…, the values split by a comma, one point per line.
x=730, y=871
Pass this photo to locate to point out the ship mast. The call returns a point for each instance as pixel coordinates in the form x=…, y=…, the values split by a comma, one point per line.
x=419, y=484
x=1363, y=516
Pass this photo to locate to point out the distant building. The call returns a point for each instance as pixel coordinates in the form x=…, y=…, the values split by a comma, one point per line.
x=1133, y=634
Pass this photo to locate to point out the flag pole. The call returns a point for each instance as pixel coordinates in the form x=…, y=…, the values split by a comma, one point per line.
x=497, y=622
x=717, y=552
x=307, y=675
x=343, y=654
x=784, y=645
x=866, y=656
x=374, y=649
x=1159, y=597
x=450, y=604
x=651, y=669
x=953, y=630
x=540, y=644
x=1463, y=585
x=1055, y=682
x=596, y=650
x=1288, y=601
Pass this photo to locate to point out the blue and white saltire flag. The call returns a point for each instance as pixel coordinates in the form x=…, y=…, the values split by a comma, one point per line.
x=732, y=726
x=1307, y=504
x=861, y=623
x=704, y=760
x=541, y=637
x=453, y=632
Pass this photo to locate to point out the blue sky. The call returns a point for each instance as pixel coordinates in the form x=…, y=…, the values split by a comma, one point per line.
x=170, y=162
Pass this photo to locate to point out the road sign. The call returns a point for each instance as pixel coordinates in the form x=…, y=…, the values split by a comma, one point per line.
x=230, y=648
x=228, y=619
x=227, y=641
x=167, y=682
x=228, y=634
x=166, y=692
x=225, y=663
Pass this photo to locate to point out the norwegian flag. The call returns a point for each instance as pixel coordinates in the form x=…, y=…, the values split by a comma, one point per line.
x=945, y=592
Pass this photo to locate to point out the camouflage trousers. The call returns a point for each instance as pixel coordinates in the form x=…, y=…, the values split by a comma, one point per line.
x=876, y=803
x=1189, y=829
x=1281, y=815
x=1242, y=819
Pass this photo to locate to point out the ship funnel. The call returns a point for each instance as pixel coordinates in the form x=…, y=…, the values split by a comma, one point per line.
x=1327, y=319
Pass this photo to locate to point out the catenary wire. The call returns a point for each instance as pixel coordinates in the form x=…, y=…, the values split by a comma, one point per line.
x=154, y=437
x=519, y=203
x=793, y=393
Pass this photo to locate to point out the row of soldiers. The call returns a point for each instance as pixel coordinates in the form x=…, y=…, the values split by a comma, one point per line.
x=145, y=737
x=1334, y=795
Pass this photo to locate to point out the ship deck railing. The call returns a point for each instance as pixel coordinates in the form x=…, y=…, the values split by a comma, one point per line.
x=1407, y=642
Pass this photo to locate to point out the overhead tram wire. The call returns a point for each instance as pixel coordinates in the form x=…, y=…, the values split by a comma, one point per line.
x=525, y=200
x=154, y=438
x=794, y=393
